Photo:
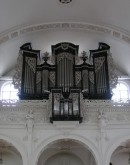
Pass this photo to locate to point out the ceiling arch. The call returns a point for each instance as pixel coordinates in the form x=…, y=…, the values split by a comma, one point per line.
x=15, y=13
x=109, y=21
x=116, y=33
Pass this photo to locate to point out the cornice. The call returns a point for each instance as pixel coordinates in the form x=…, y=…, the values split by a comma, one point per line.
x=19, y=31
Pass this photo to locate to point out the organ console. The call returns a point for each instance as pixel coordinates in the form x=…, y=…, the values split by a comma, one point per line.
x=65, y=79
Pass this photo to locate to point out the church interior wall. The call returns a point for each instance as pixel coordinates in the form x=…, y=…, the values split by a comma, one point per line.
x=27, y=124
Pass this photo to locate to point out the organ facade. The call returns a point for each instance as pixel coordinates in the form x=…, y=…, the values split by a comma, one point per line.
x=63, y=77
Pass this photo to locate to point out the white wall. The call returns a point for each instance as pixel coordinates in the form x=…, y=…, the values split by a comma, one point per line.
x=31, y=133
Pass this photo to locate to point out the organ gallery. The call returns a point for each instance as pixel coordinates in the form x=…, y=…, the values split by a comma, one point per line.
x=63, y=77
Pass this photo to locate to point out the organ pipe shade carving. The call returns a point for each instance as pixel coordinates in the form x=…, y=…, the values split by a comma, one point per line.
x=65, y=79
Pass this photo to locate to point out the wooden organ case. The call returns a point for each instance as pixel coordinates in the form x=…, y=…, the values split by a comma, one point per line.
x=65, y=79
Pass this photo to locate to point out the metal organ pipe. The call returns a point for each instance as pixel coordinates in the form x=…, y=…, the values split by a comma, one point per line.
x=45, y=80
x=85, y=79
x=64, y=73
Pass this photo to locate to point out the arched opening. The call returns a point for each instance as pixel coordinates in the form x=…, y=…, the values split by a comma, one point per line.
x=121, y=92
x=65, y=159
x=121, y=155
x=66, y=152
x=9, y=155
x=8, y=92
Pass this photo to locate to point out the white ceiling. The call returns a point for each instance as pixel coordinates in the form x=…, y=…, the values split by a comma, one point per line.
x=112, y=14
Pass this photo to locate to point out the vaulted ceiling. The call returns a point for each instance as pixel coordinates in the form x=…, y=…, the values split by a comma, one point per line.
x=47, y=22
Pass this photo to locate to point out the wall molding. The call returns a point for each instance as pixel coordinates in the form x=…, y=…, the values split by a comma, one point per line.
x=19, y=31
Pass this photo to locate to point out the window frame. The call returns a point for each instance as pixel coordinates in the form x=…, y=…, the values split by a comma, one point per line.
x=10, y=91
x=121, y=99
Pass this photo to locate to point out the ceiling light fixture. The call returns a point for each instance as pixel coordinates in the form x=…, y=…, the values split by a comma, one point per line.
x=65, y=1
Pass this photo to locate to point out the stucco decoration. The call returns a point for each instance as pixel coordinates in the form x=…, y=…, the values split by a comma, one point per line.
x=113, y=73
x=18, y=72
x=17, y=112
x=102, y=120
x=116, y=33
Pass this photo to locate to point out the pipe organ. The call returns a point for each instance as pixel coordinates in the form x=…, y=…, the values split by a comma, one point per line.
x=64, y=77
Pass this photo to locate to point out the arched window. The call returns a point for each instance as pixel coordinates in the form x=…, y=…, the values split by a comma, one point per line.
x=121, y=92
x=8, y=92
